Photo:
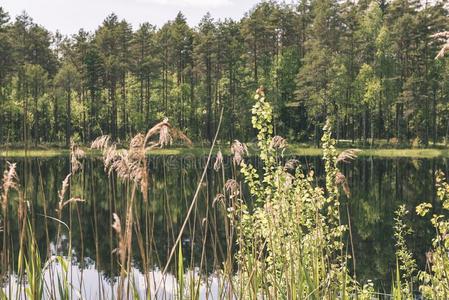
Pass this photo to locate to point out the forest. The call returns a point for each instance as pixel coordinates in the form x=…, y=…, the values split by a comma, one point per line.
x=291, y=188
x=369, y=64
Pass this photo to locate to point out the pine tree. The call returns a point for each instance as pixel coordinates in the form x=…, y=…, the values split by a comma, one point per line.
x=320, y=66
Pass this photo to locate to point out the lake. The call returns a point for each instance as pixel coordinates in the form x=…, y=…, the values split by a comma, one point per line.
x=378, y=186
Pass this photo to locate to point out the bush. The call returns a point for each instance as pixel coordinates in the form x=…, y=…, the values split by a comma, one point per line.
x=290, y=242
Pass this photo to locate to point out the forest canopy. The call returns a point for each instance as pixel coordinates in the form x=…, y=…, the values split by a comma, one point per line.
x=370, y=65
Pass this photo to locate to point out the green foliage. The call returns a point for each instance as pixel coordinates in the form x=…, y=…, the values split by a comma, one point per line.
x=369, y=85
x=291, y=241
x=63, y=279
x=180, y=274
x=33, y=267
x=368, y=65
x=406, y=264
x=435, y=281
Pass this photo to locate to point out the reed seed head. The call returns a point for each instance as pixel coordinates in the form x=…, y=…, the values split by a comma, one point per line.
x=219, y=198
x=61, y=204
x=117, y=225
x=218, y=161
x=167, y=134
x=443, y=51
x=10, y=182
x=232, y=186
x=291, y=164
x=101, y=142
x=261, y=91
x=136, y=147
x=165, y=138
x=445, y=48
x=278, y=142
x=347, y=155
x=441, y=35
x=64, y=187
x=341, y=180
x=76, y=153
x=238, y=149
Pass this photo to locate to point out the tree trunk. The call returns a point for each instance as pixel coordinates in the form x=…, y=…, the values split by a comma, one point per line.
x=365, y=126
x=56, y=117
x=434, y=117
x=398, y=122
x=36, y=116
x=209, y=98
x=83, y=100
x=36, y=121
x=256, y=78
x=317, y=142
x=25, y=123
x=193, y=123
x=68, y=132
x=447, y=133
x=92, y=114
x=372, y=128
x=113, y=110
x=147, y=99
x=123, y=99
x=232, y=106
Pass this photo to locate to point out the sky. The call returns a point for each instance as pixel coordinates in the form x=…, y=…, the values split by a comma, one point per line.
x=68, y=16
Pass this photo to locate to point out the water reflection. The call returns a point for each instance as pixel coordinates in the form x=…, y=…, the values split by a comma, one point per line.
x=378, y=187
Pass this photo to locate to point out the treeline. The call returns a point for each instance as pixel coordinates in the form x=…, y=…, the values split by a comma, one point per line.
x=368, y=64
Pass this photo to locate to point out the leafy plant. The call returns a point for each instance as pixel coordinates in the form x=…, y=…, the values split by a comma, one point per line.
x=33, y=268
x=405, y=263
x=290, y=242
x=435, y=280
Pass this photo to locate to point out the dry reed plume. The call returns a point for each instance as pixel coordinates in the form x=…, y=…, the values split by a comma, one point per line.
x=10, y=182
x=131, y=166
x=341, y=180
x=64, y=188
x=62, y=193
x=278, y=142
x=238, y=149
x=121, y=249
x=445, y=48
x=218, y=161
x=347, y=155
x=291, y=164
x=232, y=186
x=76, y=153
x=219, y=198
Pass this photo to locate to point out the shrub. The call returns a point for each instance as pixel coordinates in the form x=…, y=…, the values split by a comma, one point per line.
x=435, y=280
x=290, y=242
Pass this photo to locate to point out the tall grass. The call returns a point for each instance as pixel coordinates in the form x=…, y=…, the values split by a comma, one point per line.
x=284, y=237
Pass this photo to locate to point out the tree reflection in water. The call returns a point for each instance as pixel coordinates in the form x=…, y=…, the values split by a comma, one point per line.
x=378, y=186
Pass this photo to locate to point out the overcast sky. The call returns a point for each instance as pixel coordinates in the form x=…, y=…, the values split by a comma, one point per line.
x=68, y=16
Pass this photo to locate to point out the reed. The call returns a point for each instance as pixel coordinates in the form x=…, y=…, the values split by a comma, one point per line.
x=284, y=236
x=132, y=168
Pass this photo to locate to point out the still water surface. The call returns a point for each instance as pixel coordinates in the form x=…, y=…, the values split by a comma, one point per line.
x=378, y=186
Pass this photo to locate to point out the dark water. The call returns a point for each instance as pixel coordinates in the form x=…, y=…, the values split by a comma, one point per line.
x=378, y=187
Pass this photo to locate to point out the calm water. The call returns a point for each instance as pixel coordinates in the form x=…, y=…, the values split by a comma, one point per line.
x=377, y=185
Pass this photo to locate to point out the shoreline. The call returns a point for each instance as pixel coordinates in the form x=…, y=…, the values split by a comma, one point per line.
x=292, y=150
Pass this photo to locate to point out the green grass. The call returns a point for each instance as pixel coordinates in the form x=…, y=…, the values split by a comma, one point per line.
x=391, y=153
x=41, y=153
x=293, y=149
